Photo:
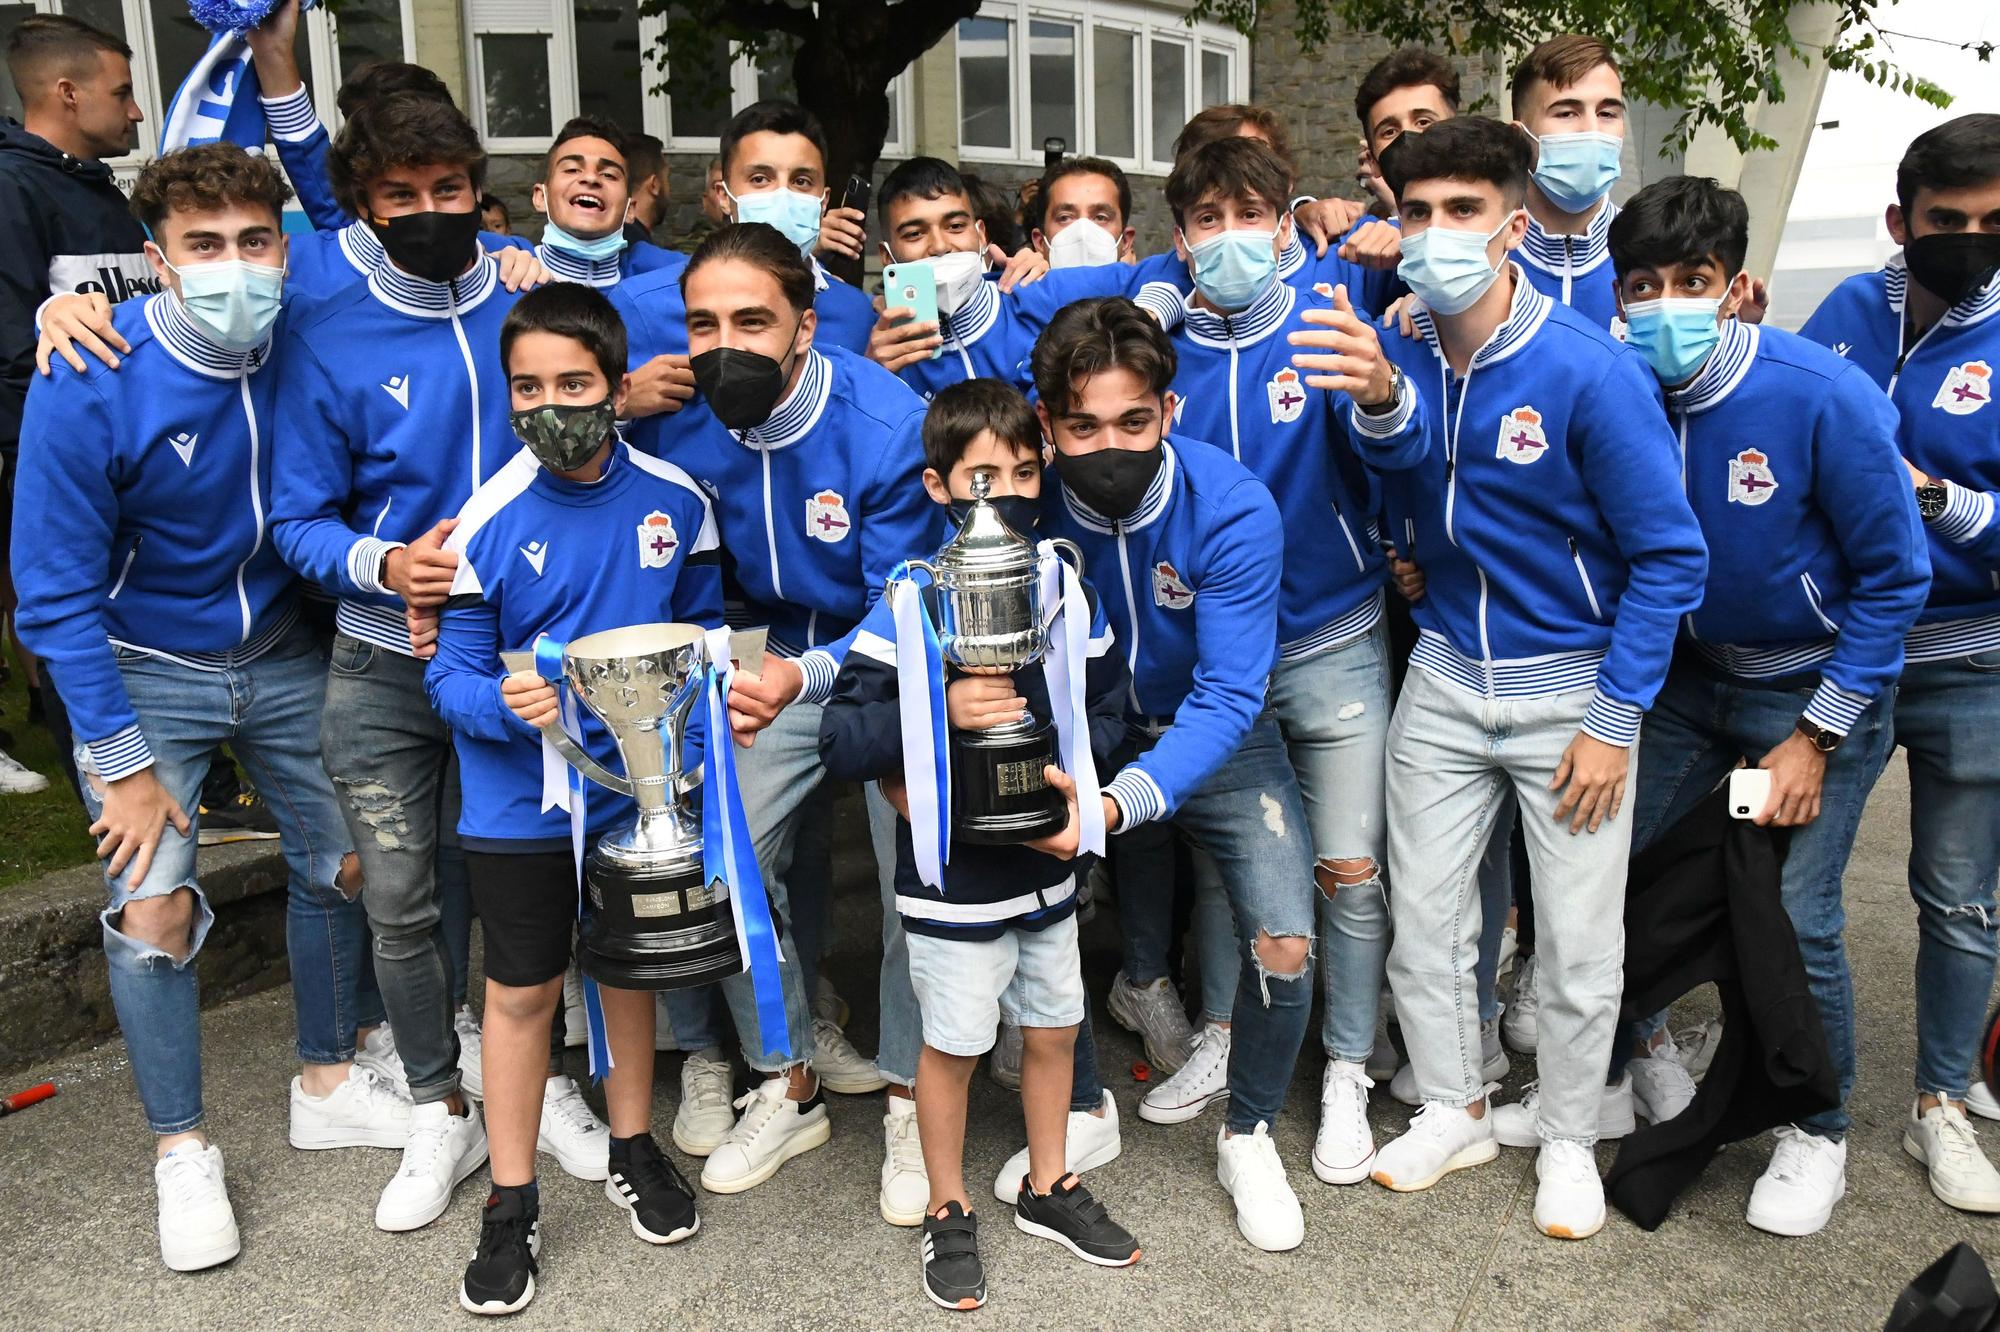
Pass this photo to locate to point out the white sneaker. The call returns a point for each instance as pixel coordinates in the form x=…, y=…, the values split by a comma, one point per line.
x=827, y=1003
x=1944, y=1140
x=906, y=1186
x=571, y=1131
x=16, y=778
x=1510, y=949
x=1003, y=1064
x=444, y=1148
x=363, y=1111
x=1441, y=1139
x=576, y=1023
x=1383, y=1061
x=1267, y=1211
x=1202, y=1080
x=1154, y=1013
x=1518, y=1022
x=704, y=1117
x=1569, y=1200
x=840, y=1066
x=377, y=1053
x=1089, y=1141
x=1697, y=1047
x=197, y=1224
x=1661, y=1085
x=470, y=1080
x=1493, y=1064
x=774, y=1128
x=1979, y=1099
x=1797, y=1191
x=1344, y=1151
x=1517, y=1124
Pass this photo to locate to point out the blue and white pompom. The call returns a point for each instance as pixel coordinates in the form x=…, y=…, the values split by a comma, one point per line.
x=220, y=16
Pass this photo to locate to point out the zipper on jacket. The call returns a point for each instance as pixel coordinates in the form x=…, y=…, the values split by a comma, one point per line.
x=1235, y=435
x=1132, y=614
x=256, y=502
x=1569, y=268
x=770, y=530
x=957, y=344
x=472, y=380
x=1485, y=643
x=1583, y=576
x=125, y=571
x=1812, y=596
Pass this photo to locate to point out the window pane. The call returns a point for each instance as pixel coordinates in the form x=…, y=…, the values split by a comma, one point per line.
x=106, y=14
x=370, y=30
x=985, y=83
x=1052, y=83
x=1115, y=71
x=610, y=68
x=698, y=88
x=1214, y=78
x=1169, y=95
x=178, y=41
x=516, y=65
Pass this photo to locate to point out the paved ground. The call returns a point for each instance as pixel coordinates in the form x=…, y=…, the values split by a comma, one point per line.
x=809, y=1250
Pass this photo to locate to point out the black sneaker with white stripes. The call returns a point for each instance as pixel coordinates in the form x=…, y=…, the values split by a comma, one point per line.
x=500, y=1279
x=953, y=1276
x=1072, y=1218
x=652, y=1190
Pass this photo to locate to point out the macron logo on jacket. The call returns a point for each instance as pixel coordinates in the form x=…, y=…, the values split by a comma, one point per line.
x=398, y=387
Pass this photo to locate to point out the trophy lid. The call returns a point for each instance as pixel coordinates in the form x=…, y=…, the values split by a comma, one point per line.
x=985, y=545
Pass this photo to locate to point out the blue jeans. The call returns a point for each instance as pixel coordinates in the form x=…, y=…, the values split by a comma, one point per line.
x=268, y=711
x=1333, y=709
x=1248, y=816
x=1948, y=720
x=1701, y=725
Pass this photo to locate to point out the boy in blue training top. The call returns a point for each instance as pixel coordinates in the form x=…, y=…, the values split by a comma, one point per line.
x=1559, y=556
x=583, y=193
x=1817, y=569
x=999, y=932
x=548, y=547
x=1926, y=328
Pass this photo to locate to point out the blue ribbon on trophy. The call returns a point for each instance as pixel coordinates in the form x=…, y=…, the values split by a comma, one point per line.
x=926, y=753
x=217, y=101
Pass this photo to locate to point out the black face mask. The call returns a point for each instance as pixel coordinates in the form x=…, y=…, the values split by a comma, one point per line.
x=436, y=247
x=1020, y=512
x=1952, y=265
x=1111, y=481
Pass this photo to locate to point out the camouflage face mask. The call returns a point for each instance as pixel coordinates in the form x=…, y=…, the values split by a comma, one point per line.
x=564, y=437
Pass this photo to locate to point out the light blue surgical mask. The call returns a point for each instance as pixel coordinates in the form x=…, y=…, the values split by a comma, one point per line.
x=1447, y=268
x=1576, y=170
x=233, y=301
x=604, y=247
x=1674, y=334
x=793, y=213
x=1233, y=268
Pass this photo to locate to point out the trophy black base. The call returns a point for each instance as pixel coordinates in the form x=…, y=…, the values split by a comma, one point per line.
x=1000, y=795
x=656, y=931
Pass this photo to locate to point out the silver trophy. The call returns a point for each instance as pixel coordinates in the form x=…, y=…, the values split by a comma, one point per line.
x=658, y=921
x=991, y=620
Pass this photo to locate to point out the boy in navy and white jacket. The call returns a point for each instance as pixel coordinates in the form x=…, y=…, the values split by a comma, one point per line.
x=150, y=589
x=576, y=534
x=1926, y=328
x=1817, y=569
x=1189, y=549
x=1559, y=556
x=998, y=929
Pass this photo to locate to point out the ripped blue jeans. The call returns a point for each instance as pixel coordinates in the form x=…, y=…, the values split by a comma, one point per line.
x=268, y=711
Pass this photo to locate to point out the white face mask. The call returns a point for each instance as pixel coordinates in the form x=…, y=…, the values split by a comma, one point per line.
x=958, y=276
x=1082, y=244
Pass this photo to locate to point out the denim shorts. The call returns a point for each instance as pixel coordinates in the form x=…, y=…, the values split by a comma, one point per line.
x=963, y=985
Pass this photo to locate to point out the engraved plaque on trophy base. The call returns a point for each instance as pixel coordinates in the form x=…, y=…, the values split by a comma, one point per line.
x=1000, y=795
x=656, y=931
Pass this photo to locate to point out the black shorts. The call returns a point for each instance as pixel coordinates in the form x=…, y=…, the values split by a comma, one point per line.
x=527, y=910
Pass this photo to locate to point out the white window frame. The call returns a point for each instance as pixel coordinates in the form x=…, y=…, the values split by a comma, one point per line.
x=1145, y=23
x=546, y=18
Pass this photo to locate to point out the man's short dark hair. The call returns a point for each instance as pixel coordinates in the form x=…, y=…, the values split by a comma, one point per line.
x=1233, y=168
x=1559, y=62
x=1473, y=148
x=1410, y=67
x=1227, y=121
x=645, y=156
x=919, y=178
x=387, y=78
x=402, y=131
x=771, y=116
x=588, y=127
x=958, y=413
x=1087, y=338
x=45, y=47
x=1083, y=166
x=1962, y=151
x=760, y=245
x=1681, y=220
x=569, y=310
x=207, y=179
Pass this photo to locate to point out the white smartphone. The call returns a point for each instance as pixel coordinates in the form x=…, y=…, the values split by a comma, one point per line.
x=1749, y=792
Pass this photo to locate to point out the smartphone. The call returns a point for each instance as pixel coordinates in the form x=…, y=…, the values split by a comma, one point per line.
x=1749, y=792
x=914, y=286
x=856, y=194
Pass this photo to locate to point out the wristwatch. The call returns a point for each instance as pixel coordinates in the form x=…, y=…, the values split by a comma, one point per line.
x=1931, y=498
x=1388, y=404
x=1823, y=740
